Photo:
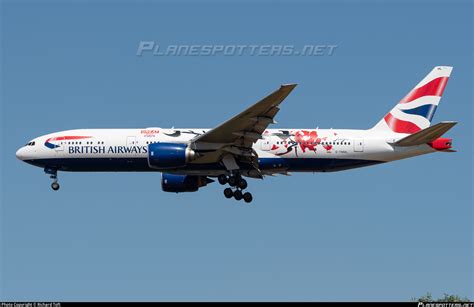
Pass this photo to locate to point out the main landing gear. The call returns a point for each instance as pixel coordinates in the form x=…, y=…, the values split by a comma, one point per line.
x=237, y=184
x=53, y=174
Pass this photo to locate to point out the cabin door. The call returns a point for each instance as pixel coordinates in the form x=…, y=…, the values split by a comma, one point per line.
x=358, y=145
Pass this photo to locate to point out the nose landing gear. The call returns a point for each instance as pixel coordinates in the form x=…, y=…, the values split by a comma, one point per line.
x=53, y=174
x=237, y=182
x=55, y=186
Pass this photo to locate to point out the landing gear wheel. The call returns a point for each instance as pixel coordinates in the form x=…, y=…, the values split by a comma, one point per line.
x=222, y=179
x=247, y=197
x=232, y=181
x=55, y=186
x=228, y=193
x=238, y=195
x=242, y=183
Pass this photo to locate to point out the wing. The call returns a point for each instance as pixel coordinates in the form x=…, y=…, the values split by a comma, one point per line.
x=248, y=126
x=237, y=135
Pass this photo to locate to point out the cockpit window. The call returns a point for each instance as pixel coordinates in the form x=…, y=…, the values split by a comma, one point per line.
x=30, y=144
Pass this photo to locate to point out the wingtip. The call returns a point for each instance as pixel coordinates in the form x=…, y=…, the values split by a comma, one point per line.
x=289, y=85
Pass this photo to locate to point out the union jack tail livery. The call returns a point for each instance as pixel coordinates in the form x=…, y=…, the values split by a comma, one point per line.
x=415, y=111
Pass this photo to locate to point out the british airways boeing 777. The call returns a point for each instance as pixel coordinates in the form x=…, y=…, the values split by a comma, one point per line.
x=243, y=146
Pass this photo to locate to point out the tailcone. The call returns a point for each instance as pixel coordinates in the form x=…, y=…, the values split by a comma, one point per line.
x=442, y=144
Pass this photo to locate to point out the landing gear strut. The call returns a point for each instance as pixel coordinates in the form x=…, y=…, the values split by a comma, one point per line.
x=239, y=184
x=53, y=174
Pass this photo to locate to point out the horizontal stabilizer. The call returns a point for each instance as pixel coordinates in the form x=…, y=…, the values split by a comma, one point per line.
x=426, y=135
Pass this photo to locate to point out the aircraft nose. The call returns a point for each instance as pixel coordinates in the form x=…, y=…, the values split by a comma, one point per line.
x=20, y=153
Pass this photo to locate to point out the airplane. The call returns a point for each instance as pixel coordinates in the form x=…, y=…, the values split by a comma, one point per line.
x=243, y=146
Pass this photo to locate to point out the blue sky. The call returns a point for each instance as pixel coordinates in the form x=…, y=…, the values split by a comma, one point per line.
x=387, y=232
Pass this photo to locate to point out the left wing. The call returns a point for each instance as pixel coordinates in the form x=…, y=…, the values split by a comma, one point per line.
x=237, y=135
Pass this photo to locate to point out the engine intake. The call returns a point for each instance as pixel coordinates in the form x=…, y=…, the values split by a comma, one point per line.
x=183, y=183
x=169, y=155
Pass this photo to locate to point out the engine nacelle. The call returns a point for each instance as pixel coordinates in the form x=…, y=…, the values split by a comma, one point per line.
x=183, y=183
x=441, y=144
x=169, y=155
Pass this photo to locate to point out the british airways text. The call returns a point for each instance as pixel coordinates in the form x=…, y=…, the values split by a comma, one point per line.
x=108, y=150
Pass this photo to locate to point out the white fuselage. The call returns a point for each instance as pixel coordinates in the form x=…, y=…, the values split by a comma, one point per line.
x=280, y=150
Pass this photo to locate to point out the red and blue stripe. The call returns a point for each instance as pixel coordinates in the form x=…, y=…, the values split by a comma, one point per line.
x=50, y=145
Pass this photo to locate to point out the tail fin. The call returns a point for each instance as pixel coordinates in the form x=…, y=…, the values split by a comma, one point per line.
x=415, y=111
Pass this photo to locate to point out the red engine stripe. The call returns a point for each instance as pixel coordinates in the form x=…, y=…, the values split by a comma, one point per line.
x=433, y=88
x=400, y=126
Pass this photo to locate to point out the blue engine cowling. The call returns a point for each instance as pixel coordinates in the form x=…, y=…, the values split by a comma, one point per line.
x=169, y=155
x=183, y=183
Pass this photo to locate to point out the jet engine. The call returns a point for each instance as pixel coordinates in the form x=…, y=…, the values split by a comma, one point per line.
x=183, y=183
x=169, y=155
